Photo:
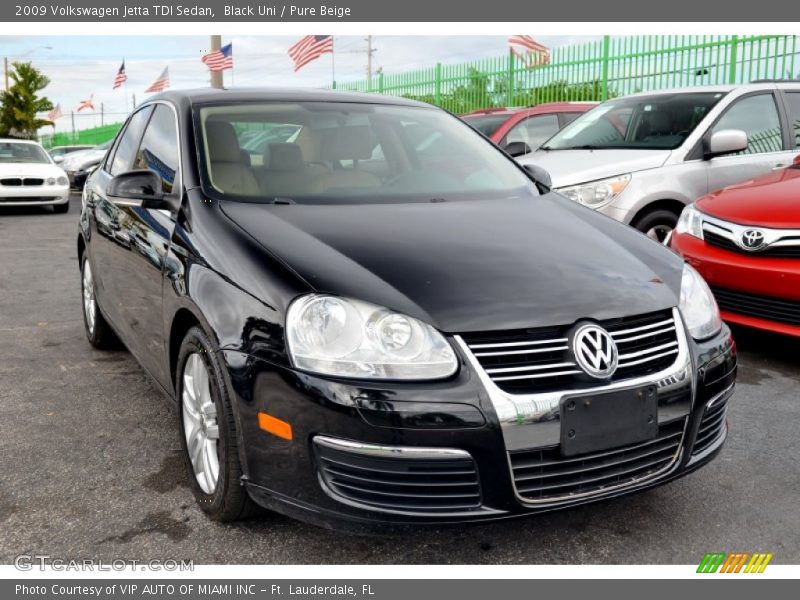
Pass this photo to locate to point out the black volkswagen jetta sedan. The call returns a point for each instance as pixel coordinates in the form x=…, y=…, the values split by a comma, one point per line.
x=380, y=318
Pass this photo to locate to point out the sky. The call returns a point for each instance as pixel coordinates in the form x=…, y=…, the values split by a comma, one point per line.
x=80, y=66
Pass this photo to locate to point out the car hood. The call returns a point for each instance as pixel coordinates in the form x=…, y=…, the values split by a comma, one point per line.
x=29, y=170
x=772, y=200
x=570, y=167
x=472, y=265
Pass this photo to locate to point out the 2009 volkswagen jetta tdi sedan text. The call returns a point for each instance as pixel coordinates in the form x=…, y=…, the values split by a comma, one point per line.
x=377, y=317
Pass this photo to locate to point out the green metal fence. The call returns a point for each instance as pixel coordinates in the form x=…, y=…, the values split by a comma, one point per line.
x=95, y=135
x=595, y=70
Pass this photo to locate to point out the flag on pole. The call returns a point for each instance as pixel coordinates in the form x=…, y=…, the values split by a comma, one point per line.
x=121, y=77
x=87, y=104
x=55, y=113
x=529, y=50
x=160, y=84
x=309, y=48
x=219, y=60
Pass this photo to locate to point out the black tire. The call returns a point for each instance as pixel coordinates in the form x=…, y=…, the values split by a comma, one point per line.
x=657, y=224
x=229, y=500
x=101, y=336
x=60, y=209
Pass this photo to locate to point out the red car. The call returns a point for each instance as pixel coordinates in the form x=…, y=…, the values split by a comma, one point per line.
x=745, y=241
x=522, y=130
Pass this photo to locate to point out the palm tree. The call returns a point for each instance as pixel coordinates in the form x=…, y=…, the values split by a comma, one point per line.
x=20, y=104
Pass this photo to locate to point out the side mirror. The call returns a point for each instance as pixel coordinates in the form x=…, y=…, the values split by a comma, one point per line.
x=796, y=161
x=540, y=176
x=58, y=159
x=517, y=148
x=143, y=185
x=726, y=141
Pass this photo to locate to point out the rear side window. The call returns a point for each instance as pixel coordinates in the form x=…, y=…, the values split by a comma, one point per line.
x=794, y=115
x=534, y=131
x=126, y=147
x=758, y=117
x=159, y=148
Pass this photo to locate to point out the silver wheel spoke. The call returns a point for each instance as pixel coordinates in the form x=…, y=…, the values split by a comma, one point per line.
x=200, y=423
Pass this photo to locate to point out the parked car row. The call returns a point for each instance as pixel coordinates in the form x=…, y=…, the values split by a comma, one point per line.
x=367, y=313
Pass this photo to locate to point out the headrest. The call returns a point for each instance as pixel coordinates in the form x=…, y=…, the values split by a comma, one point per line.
x=223, y=145
x=283, y=157
x=659, y=123
x=354, y=142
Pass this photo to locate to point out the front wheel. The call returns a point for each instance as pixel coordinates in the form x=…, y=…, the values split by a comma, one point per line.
x=657, y=224
x=208, y=432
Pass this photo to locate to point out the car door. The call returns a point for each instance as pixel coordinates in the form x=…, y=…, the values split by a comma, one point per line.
x=148, y=231
x=758, y=115
x=109, y=247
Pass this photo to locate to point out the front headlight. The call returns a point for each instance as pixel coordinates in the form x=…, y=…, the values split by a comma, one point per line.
x=596, y=194
x=691, y=222
x=349, y=338
x=61, y=180
x=50, y=181
x=698, y=306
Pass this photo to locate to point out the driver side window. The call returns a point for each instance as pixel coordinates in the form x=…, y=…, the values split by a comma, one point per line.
x=534, y=131
x=758, y=117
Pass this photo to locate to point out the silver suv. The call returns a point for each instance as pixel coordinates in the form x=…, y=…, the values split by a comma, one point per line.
x=641, y=158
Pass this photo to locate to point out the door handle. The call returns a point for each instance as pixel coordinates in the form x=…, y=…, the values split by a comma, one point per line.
x=779, y=166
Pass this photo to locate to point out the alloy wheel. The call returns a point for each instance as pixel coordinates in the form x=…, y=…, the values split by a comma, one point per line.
x=200, y=423
x=89, y=303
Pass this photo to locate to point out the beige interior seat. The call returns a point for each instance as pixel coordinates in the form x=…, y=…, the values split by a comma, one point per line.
x=352, y=143
x=285, y=172
x=227, y=171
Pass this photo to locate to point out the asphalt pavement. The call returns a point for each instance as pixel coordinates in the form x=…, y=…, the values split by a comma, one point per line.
x=90, y=463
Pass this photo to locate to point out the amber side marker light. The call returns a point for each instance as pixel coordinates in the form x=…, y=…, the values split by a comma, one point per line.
x=275, y=426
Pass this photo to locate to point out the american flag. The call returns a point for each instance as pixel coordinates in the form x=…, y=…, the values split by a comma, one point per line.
x=87, y=104
x=309, y=48
x=535, y=53
x=160, y=84
x=55, y=113
x=221, y=59
x=121, y=77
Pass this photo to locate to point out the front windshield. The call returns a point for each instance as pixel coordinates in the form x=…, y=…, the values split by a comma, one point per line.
x=315, y=152
x=658, y=122
x=15, y=152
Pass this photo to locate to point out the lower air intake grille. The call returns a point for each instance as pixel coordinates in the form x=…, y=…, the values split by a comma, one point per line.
x=525, y=361
x=542, y=474
x=761, y=307
x=407, y=484
x=712, y=426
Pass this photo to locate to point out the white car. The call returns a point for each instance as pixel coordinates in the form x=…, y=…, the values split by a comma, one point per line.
x=28, y=177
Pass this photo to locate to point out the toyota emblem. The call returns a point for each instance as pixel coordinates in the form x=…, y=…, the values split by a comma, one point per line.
x=595, y=351
x=752, y=239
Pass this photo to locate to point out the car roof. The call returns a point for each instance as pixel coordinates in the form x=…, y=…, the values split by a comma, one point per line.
x=756, y=85
x=14, y=140
x=536, y=108
x=277, y=94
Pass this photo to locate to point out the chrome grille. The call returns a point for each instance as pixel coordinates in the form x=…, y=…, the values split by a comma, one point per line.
x=780, y=243
x=712, y=425
x=406, y=484
x=544, y=475
x=539, y=360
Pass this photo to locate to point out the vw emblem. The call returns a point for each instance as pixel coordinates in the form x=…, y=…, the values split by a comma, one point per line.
x=752, y=239
x=595, y=351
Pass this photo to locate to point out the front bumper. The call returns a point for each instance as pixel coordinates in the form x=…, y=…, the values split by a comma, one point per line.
x=40, y=195
x=373, y=420
x=755, y=276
